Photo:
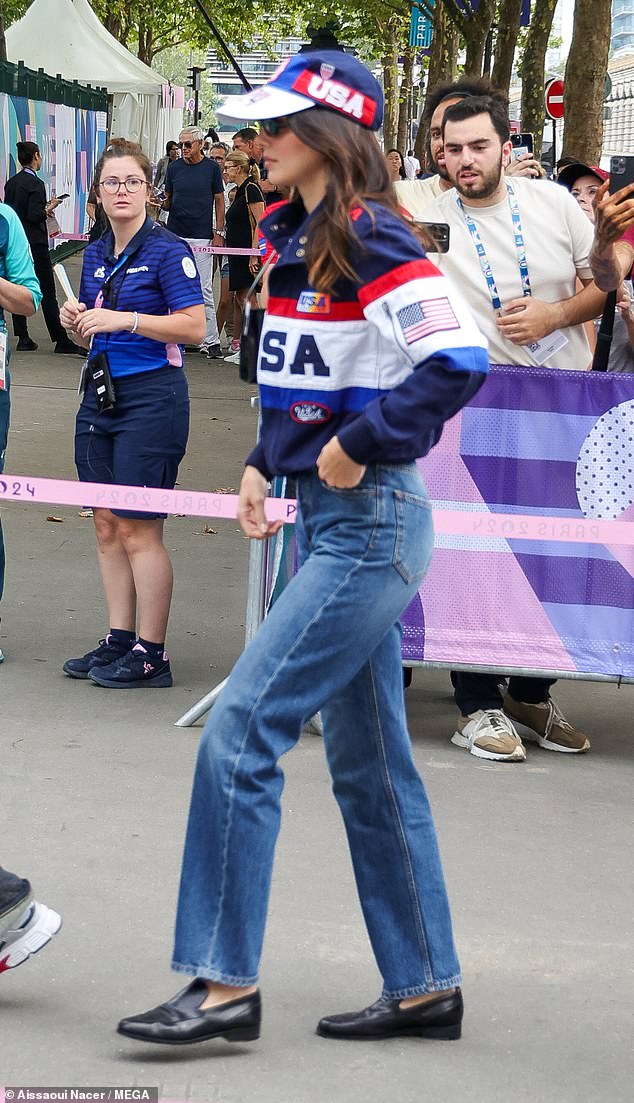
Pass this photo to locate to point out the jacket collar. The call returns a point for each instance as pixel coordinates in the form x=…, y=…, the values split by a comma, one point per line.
x=132, y=246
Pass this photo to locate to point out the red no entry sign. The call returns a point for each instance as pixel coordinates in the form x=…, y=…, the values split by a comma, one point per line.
x=554, y=99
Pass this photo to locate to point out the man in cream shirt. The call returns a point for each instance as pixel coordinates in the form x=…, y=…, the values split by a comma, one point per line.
x=517, y=248
x=530, y=311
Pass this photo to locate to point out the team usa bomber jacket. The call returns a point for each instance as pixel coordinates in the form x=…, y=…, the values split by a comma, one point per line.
x=382, y=363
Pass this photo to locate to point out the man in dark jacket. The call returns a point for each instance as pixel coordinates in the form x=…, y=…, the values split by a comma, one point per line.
x=26, y=193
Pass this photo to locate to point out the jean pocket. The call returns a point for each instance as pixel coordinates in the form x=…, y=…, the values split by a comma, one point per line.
x=359, y=491
x=414, y=535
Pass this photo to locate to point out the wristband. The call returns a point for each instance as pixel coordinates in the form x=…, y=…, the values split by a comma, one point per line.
x=136, y=322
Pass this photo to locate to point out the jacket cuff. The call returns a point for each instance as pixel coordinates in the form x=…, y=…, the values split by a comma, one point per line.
x=357, y=441
x=256, y=459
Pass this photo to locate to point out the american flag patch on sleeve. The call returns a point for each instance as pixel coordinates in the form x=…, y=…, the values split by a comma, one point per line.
x=424, y=318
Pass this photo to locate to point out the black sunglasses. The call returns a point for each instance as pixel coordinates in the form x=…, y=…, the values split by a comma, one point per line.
x=272, y=127
x=185, y=145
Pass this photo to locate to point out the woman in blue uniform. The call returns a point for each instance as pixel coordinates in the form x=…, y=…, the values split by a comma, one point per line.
x=140, y=298
x=366, y=350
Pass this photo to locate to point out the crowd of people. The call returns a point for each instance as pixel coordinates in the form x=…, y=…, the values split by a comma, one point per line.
x=352, y=389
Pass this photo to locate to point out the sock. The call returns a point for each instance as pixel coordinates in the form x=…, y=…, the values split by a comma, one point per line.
x=154, y=649
x=122, y=637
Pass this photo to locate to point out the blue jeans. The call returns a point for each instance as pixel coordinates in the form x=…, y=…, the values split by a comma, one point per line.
x=330, y=642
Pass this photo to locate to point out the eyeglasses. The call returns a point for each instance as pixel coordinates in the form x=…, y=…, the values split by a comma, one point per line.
x=219, y=158
x=187, y=145
x=132, y=184
x=272, y=127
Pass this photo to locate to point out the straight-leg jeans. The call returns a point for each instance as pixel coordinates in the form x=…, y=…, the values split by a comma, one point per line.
x=204, y=264
x=330, y=642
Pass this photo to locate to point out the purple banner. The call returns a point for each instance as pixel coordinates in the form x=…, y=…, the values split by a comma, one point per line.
x=557, y=447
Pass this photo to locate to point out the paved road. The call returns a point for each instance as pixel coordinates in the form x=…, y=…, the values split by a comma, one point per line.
x=93, y=795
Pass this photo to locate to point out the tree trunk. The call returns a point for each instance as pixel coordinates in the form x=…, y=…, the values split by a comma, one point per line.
x=533, y=63
x=145, y=52
x=443, y=59
x=475, y=34
x=390, y=93
x=3, y=41
x=405, y=102
x=505, y=43
x=584, y=83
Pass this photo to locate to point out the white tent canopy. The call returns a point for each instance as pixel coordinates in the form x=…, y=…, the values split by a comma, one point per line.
x=66, y=37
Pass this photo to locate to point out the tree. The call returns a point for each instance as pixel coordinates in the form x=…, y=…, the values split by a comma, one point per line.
x=475, y=31
x=10, y=11
x=533, y=65
x=506, y=42
x=584, y=81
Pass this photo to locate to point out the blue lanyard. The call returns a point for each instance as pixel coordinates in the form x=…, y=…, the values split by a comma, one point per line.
x=485, y=263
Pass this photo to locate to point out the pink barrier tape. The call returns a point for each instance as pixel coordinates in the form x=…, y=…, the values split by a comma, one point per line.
x=202, y=503
x=194, y=248
x=515, y=526
x=141, y=499
x=225, y=249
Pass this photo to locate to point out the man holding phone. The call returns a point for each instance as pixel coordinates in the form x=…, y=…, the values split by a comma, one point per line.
x=26, y=193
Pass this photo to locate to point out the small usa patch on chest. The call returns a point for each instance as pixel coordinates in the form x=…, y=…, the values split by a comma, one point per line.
x=421, y=319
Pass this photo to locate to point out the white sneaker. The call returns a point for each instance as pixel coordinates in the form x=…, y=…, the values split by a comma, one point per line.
x=488, y=733
x=30, y=931
x=233, y=359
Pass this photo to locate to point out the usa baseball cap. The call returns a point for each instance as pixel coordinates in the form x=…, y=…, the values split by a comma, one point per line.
x=325, y=78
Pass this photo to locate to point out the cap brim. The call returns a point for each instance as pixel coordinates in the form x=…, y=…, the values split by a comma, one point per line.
x=263, y=103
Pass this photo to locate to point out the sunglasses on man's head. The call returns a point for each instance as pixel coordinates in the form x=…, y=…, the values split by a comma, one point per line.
x=272, y=127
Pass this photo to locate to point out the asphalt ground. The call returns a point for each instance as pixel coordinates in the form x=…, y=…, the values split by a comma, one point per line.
x=94, y=790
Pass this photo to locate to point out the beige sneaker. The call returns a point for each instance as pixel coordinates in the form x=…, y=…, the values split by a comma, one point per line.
x=488, y=733
x=545, y=724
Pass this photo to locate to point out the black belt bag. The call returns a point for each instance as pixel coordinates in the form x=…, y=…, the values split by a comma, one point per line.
x=98, y=373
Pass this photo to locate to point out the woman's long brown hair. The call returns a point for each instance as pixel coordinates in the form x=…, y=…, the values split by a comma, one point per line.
x=357, y=173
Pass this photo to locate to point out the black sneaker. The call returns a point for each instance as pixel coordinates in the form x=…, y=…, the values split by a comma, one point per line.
x=25, y=344
x=212, y=352
x=68, y=348
x=135, y=669
x=105, y=653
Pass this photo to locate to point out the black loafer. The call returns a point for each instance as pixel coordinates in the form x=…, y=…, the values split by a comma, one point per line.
x=180, y=1021
x=440, y=1018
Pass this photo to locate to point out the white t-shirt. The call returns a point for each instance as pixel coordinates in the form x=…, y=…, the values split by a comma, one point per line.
x=412, y=166
x=558, y=238
x=416, y=195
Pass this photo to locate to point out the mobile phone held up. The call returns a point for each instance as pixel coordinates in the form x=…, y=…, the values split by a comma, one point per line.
x=66, y=195
x=621, y=173
x=522, y=143
x=439, y=234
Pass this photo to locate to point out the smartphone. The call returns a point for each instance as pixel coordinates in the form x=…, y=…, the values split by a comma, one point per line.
x=621, y=173
x=66, y=195
x=522, y=143
x=438, y=232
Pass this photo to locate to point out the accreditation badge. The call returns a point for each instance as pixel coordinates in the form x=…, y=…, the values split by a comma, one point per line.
x=3, y=359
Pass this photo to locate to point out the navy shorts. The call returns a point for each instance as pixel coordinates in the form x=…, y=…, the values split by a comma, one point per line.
x=142, y=440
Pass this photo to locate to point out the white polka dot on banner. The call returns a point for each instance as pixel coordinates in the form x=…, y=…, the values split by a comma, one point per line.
x=189, y=268
x=605, y=467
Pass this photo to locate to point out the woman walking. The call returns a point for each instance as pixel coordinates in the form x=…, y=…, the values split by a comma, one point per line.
x=365, y=352
x=140, y=297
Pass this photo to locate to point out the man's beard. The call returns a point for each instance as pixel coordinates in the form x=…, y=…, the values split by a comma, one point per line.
x=485, y=186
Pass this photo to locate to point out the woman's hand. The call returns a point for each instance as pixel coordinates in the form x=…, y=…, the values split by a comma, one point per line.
x=251, y=513
x=70, y=313
x=99, y=320
x=335, y=468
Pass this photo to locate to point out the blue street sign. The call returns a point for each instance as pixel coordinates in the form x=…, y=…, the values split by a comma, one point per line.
x=420, y=30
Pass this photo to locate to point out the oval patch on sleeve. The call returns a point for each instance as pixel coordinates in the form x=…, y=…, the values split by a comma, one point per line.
x=189, y=268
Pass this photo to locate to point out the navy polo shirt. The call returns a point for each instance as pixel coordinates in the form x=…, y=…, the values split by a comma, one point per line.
x=192, y=188
x=161, y=277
